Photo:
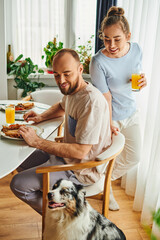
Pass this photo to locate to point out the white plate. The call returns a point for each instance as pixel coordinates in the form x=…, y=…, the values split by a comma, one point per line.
x=19, y=117
x=21, y=111
x=38, y=130
x=17, y=111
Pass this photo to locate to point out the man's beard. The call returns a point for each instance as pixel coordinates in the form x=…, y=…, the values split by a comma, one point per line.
x=70, y=89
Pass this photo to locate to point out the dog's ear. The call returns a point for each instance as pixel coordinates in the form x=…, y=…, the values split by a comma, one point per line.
x=83, y=191
x=80, y=189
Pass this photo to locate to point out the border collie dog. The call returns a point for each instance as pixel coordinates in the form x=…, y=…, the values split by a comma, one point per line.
x=70, y=217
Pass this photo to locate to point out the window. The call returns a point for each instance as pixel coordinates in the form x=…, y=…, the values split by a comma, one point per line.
x=34, y=23
x=85, y=20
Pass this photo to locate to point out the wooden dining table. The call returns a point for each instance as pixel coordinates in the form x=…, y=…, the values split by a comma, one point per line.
x=13, y=152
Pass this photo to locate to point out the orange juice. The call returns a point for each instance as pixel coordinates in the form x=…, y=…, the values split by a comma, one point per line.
x=10, y=114
x=135, y=78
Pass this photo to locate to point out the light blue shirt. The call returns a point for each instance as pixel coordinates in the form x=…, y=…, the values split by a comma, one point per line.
x=114, y=74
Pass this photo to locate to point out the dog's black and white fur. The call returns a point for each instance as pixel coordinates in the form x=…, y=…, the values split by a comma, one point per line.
x=70, y=217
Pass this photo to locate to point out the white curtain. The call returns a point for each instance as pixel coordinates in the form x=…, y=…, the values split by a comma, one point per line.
x=144, y=19
x=36, y=22
x=85, y=21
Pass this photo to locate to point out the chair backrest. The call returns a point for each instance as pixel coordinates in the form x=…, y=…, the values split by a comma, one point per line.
x=118, y=142
x=112, y=151
x=49, y=97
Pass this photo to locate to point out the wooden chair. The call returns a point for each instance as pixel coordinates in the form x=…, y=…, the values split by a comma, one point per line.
x=104, y=164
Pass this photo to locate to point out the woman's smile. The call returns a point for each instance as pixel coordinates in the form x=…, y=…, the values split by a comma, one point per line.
x=113, y=50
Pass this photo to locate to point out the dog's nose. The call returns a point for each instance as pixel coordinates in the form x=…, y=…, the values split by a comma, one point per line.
x=50, y=195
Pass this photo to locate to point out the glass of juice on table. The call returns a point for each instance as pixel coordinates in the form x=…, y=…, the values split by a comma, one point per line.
x=10, y=114
x=135, y=78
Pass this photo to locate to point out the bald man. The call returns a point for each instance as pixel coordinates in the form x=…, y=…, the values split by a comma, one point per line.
x=86, y=132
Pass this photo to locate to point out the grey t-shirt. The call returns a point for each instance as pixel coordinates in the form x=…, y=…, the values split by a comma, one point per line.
x=114, y=74
x=87, y=121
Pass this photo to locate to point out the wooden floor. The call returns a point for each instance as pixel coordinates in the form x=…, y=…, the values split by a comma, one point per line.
x=19, y=222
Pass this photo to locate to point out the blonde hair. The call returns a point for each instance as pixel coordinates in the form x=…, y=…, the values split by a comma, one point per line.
x=115, y=15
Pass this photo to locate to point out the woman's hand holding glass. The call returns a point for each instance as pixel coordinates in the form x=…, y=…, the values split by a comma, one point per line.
x=138, y=81
x=142, y=82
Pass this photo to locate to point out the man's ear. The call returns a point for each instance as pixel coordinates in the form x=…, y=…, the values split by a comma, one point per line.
x=81, y=68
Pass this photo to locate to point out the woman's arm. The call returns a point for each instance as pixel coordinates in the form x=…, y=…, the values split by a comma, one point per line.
x=108, y=97
x=98, y=79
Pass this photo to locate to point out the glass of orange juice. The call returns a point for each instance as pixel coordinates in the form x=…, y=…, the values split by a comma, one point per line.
x=135, y=78
x=10, y=113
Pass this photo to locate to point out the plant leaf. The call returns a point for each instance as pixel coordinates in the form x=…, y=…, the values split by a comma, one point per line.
x=19, y=57
x=40, y=71
x=17, y=64
x=12, y=72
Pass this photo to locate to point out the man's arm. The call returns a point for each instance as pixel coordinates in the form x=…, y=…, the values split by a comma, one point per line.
x=65, y=150
x=68, y=150
x=55, y=111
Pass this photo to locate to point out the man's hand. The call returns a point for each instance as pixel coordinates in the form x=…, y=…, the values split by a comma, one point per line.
x=29, y=135
x=32, y=116
x=68, y=150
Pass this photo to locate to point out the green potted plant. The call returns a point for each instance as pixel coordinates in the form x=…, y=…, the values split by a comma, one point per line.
x=50, y=50
x=85, y=54
x=156, y=220
x=21, y=69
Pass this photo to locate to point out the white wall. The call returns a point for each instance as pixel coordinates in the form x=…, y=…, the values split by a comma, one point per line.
x=3, y=50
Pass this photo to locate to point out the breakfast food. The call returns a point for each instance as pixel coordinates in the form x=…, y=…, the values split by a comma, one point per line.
x=13, y=133
x=12, y=130
x=24, y=106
